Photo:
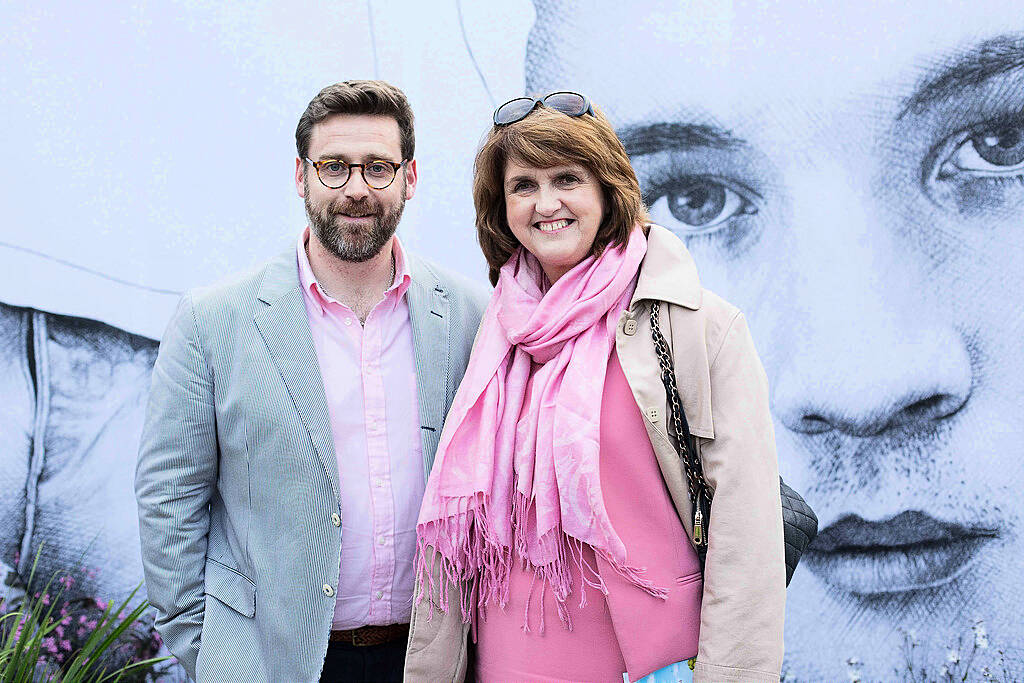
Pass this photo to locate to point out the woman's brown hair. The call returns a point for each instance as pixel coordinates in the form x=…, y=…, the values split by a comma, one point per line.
x=543, y=139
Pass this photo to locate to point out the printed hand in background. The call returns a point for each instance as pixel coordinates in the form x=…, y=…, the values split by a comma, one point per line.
x=17, y=406
x=94, y=380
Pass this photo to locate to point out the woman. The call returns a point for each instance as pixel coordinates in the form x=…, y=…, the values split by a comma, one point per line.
x=557, y=519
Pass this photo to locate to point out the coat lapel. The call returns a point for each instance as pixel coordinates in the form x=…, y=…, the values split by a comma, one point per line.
x=428, y=314
x=283, y=324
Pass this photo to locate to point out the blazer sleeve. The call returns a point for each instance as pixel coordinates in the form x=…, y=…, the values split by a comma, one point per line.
x=174, y=480
x=744, y=601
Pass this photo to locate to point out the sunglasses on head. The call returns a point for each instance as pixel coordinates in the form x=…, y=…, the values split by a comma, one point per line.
x=569, y=103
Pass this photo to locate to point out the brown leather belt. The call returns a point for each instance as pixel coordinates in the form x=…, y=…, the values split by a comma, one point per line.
x=371, y=635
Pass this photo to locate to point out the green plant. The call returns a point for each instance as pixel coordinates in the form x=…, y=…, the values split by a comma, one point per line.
x=45, y=637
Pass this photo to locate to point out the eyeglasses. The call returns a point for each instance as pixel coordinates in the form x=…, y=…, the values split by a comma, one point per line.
x=377, y=174
x=569, y=103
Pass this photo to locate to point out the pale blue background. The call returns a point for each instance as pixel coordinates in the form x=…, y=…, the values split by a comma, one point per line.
x=149, y=147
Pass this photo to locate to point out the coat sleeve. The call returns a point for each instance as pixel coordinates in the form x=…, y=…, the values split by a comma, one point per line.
x=438, y=639
x=745, y=578
x=174, y=480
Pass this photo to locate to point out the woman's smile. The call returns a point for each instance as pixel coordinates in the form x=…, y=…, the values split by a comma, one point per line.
x=555, y=225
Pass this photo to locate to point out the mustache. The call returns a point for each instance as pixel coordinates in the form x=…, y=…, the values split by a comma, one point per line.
x=361, y=207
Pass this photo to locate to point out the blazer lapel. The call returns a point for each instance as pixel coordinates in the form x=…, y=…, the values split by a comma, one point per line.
x=428, y=314
x=285, y=329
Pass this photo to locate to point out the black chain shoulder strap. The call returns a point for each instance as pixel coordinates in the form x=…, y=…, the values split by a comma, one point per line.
x=700, y=494
x=799, y=523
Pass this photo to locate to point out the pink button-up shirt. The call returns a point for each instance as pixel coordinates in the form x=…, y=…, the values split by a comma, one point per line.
x=370, y=381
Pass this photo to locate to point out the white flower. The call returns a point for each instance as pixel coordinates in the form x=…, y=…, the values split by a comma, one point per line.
x=944, y=671
x=980, y=635
x=853, y=670
x=953, y=657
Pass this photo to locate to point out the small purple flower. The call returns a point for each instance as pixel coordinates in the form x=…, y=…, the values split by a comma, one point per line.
x=65, y=645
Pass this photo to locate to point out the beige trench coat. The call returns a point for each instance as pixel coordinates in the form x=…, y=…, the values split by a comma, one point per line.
x=725, y=396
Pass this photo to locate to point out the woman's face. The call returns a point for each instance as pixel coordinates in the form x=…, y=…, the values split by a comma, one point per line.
x=554, y=213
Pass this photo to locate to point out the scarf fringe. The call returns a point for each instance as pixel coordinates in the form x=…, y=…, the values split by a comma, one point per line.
x=476, y=563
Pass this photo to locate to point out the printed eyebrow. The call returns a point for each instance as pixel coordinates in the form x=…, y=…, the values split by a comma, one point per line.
x=652, y=138
x=972, y=68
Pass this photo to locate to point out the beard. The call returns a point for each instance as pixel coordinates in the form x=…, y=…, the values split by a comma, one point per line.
x=354, y=244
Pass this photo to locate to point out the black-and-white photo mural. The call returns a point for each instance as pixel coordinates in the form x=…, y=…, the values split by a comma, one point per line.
x=850, y=174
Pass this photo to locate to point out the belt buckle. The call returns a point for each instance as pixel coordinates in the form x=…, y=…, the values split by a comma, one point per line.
x=363, y=637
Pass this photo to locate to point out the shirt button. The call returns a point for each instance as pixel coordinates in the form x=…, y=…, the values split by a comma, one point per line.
x=348, y=321
x=335, y=519
x=653, y=414
x=381, y=540
x=630, y=327
x=328, y=590
x=380, y=594
x=380, y=483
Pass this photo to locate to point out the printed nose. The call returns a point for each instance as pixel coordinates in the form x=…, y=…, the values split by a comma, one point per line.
x=864, y=380
x=869, y=348
x=875, y=412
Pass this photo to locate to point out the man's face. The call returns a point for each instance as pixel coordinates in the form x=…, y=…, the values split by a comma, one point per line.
x=355, y=221
x=853, y=178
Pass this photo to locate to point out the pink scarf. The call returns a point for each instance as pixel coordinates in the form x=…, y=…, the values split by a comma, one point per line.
x=522, y=480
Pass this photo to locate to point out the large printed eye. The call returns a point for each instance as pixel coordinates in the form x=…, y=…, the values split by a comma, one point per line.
x=997, y=151
x=700, y=204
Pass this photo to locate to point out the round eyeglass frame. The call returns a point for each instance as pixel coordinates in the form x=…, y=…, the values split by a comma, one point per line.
x=395, y=165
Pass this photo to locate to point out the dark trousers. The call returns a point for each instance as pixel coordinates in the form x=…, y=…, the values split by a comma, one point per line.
x=347, y=663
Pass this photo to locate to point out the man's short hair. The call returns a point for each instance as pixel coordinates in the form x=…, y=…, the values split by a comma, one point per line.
x=543, y=139
x=378, y=98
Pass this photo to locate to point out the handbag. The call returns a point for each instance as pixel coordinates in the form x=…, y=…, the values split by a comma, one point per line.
x=799, y=523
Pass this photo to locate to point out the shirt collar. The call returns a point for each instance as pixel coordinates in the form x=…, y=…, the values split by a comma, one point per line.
x=312, y=288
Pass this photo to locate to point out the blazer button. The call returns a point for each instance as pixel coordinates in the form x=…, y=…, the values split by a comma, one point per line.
x=630, y=327
x=335, y=519
x=653, y=413
x=328, y=590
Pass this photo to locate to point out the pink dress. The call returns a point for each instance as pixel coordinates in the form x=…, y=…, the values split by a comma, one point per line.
x=627, y=631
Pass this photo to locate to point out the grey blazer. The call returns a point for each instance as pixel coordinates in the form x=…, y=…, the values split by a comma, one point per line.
x=237, y=481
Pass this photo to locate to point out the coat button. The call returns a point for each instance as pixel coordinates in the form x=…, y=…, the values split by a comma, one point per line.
x=328, y=590
x=335, y=519
x=630, y=327
x=653, y=413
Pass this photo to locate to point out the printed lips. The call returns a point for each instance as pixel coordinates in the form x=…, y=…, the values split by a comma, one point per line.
x=909, y=551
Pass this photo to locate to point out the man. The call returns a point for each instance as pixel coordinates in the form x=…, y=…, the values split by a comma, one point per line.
x=851, y=175
x=293, y=419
